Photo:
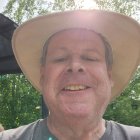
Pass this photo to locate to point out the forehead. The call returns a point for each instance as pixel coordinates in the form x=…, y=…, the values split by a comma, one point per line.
x=81, y=33
x=78, y=37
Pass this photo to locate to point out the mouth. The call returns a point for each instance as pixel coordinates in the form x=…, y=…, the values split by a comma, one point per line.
x=75, y=88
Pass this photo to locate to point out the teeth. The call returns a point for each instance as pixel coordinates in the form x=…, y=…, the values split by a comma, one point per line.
x=75, y=87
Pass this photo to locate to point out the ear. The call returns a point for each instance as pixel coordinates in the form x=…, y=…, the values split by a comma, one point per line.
x=110, y=77
x=41, y=75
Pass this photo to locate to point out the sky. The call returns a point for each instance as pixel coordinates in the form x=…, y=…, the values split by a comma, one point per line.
x=2, y=4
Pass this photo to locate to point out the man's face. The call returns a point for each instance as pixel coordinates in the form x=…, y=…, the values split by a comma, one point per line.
x=75, y=80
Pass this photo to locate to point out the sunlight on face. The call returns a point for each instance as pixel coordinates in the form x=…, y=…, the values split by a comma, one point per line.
x=86, y=4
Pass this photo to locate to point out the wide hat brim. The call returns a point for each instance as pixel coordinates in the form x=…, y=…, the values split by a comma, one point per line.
x=122, y=32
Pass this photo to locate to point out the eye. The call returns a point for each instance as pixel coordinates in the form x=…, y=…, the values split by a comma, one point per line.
x=59, y=59
x=90, y=58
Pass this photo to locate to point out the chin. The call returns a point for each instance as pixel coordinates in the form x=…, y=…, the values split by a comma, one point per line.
x=77, y=111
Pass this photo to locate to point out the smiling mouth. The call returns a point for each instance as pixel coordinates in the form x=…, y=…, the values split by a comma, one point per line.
x=75, y=87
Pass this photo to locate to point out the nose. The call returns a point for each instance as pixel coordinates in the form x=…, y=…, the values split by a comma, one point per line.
x=75, y=66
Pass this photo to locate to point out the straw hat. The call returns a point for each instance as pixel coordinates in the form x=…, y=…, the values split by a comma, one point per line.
x=122, y=32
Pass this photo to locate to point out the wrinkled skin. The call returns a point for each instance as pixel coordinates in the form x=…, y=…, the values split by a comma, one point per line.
x=76, y=57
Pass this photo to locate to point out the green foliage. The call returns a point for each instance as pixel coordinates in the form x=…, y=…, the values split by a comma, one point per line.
x=127, y=7
x=22, y=10
x=126, y=108
x=19, y=101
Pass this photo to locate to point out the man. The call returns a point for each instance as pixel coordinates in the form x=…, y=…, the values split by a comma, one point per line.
x=77, y=75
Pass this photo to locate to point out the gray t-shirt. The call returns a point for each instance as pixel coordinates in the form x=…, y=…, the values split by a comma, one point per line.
x=39, y=131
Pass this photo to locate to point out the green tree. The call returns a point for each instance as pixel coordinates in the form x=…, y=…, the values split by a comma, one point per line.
x=126, y=108
x=19, y=101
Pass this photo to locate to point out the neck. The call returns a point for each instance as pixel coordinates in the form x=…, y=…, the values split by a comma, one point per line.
x=76, y=129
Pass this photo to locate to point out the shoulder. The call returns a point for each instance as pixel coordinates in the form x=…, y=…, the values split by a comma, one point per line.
x=130, y=132
x=21, y=132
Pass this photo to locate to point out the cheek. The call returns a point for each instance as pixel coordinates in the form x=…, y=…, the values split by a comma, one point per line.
x=103, y=91
x=104, y=83
x=50, y=74
x=50, y=78
x=103, y=75
x=49, y=85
